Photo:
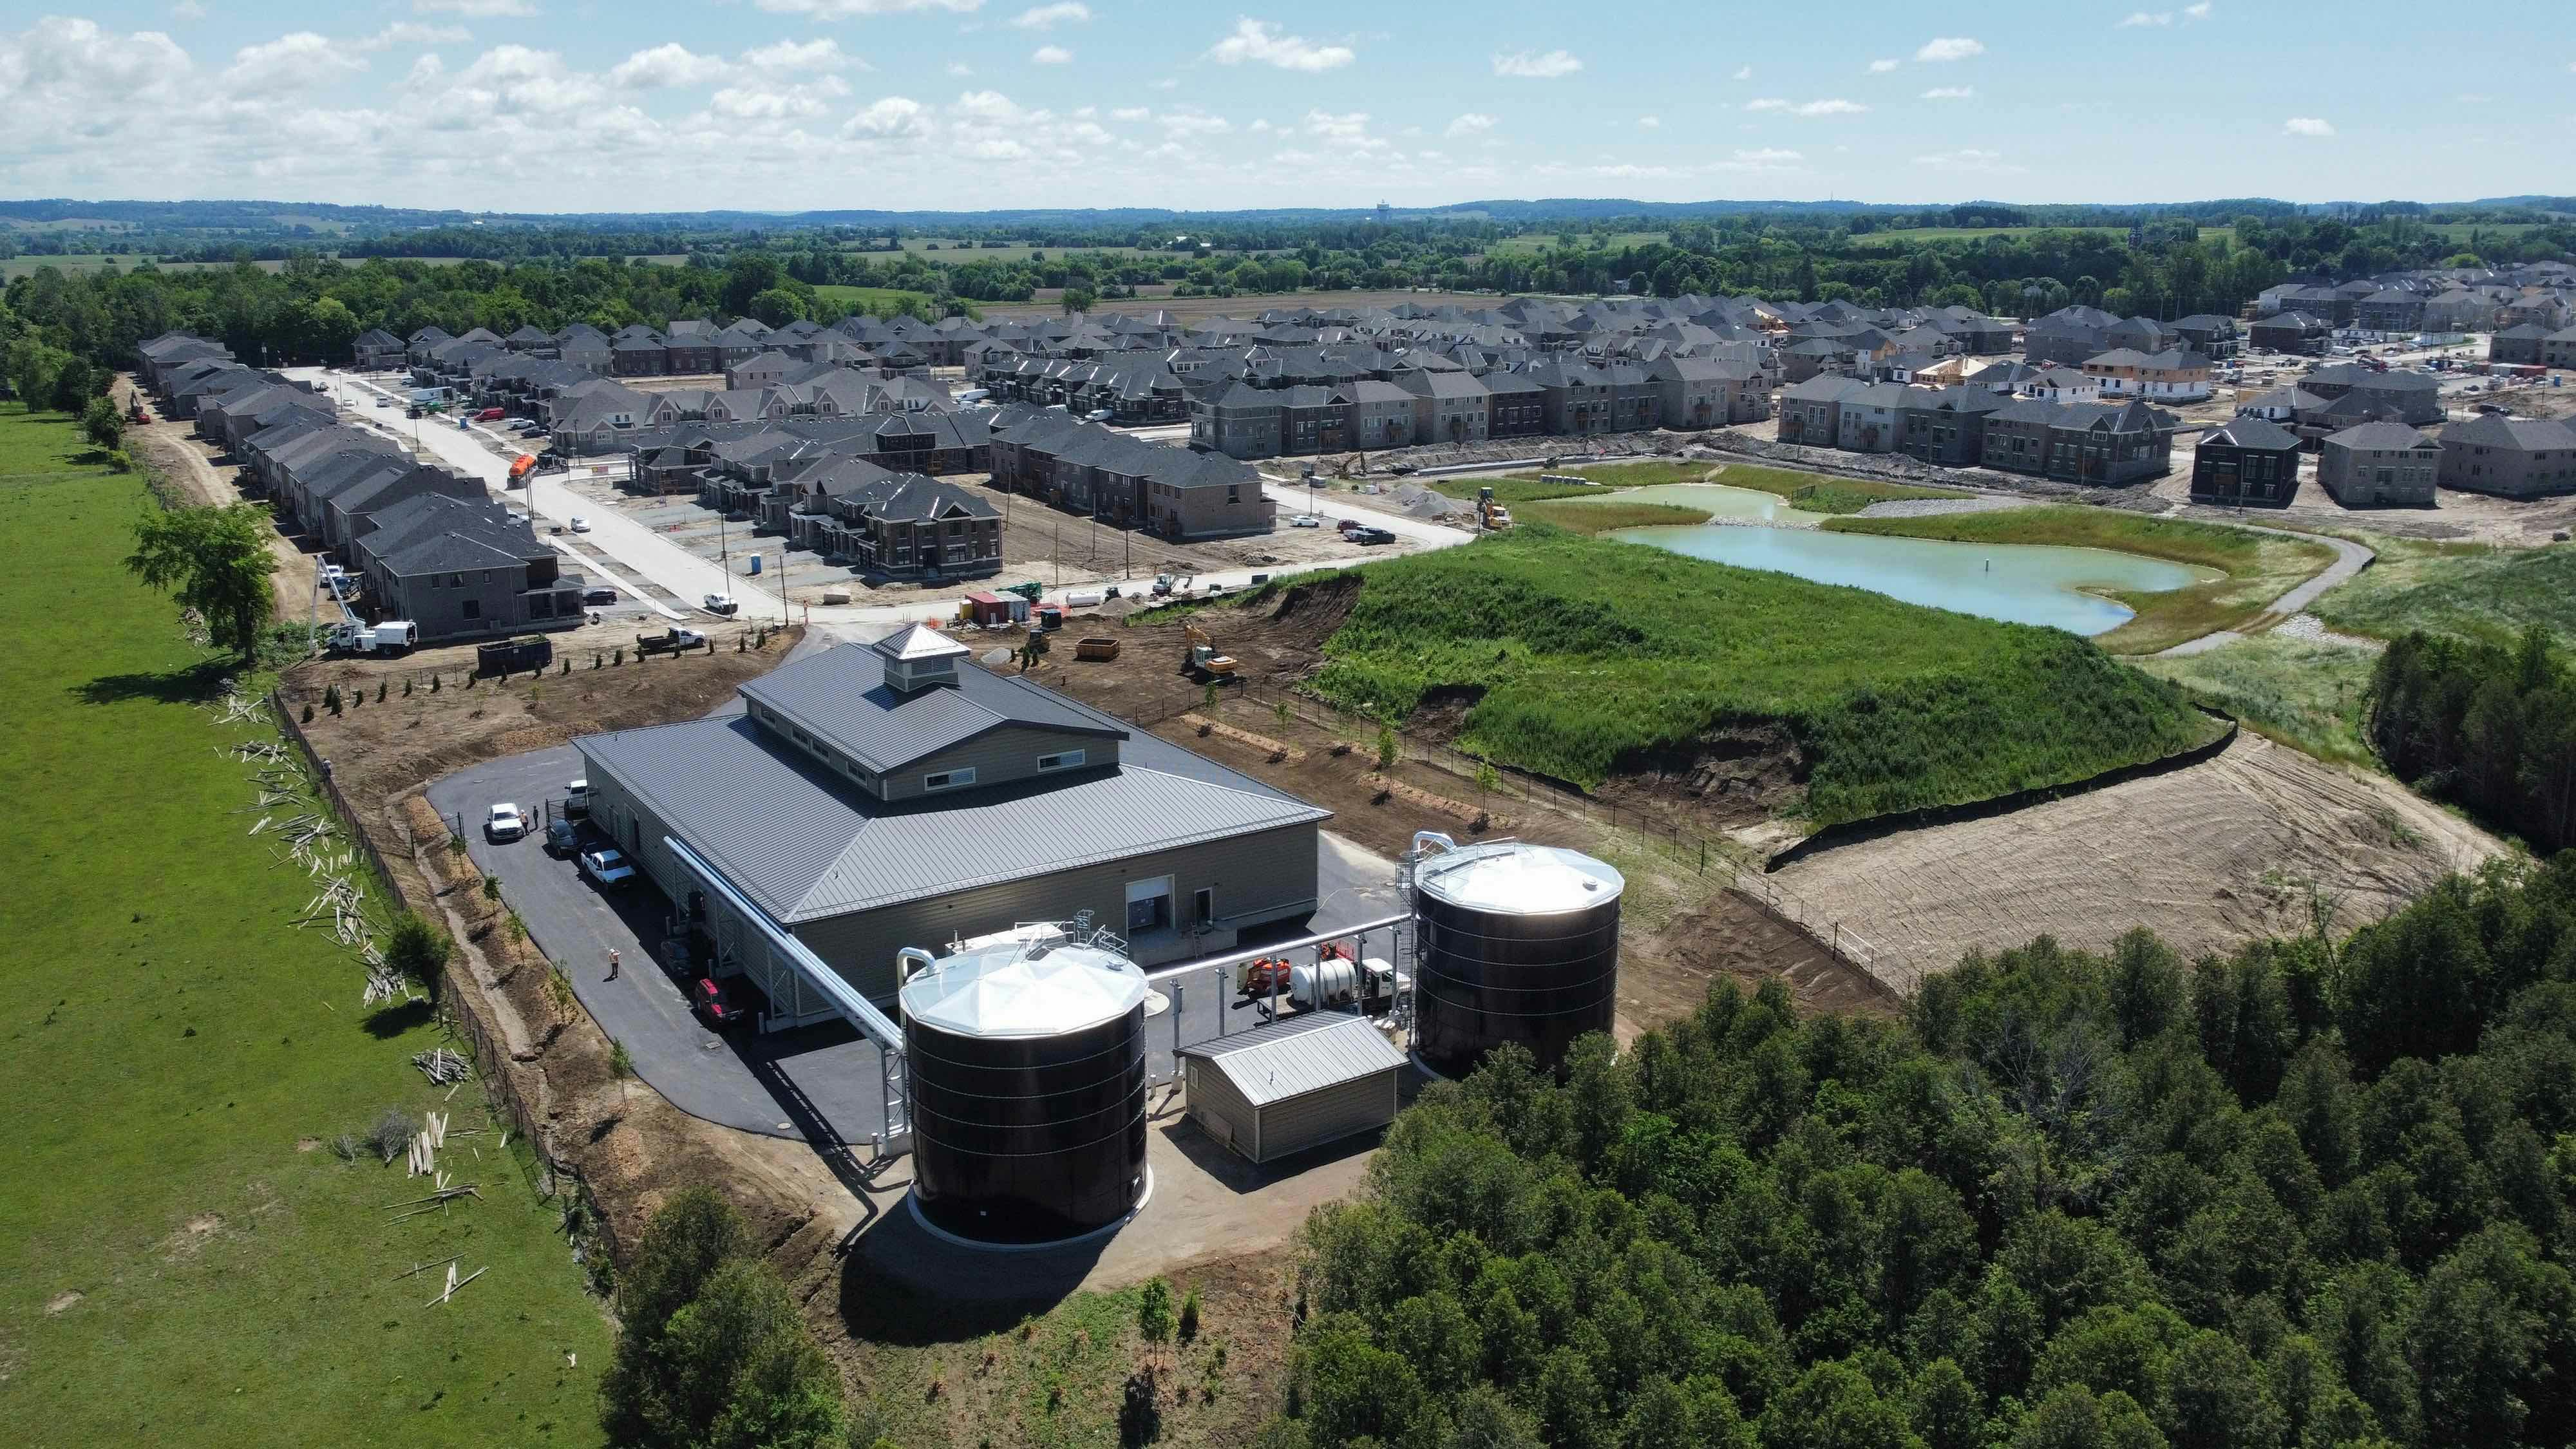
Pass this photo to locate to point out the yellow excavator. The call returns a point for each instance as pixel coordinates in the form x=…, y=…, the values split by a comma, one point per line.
x=1200, y=660
x=1490, y=512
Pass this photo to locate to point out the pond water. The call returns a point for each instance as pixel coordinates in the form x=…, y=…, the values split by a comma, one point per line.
x=2017, y=583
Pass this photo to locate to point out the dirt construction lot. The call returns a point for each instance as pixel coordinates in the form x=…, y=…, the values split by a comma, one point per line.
x=2206, y=856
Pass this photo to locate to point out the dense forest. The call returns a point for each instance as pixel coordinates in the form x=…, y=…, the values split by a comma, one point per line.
x=2491, y=728
x=2314, y=1193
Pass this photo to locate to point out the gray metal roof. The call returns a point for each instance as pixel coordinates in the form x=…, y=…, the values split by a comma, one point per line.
x=807, y=844
x=1300, y=1055
x=1024, y=989
x=842, y=696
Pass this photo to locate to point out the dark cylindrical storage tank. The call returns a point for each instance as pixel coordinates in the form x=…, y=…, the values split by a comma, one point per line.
x=1025, y=1068
x=1515, y=943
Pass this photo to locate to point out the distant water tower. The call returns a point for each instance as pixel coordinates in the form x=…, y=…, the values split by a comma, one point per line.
x=1385, y=213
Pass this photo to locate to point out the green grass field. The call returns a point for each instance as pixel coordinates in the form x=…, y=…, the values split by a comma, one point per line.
x=1588, y=652
x=871, y=297
x=1817, y=493
x=2255, y=568
x=187, y=1263
x=2303, y=694
x=2465, y=590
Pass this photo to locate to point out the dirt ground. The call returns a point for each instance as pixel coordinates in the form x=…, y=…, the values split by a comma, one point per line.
x=1681, y=927
x=172, y=451
x=2207, y=856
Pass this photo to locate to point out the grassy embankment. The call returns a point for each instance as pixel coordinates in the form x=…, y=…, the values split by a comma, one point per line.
x=2302, y=693
x=2254, y=568
x=188, y=1263
x=1590, y=652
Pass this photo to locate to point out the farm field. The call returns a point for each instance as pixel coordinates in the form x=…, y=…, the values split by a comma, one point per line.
x=872, y=297
x=190, y=1261
x=1583, y=660
x=2256, y=568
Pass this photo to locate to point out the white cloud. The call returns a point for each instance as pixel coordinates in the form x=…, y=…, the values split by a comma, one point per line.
x=477, y=8
x=1650, y=122
x=1130, y=113
x=845, y=9
x=1763, y=159
x=823, y=54
x=1950, y=93
x=1346, y=132
x=1260, y=41
x=1193, y=123
x=1744, y=72
x=1167, y=84
x=2306, y=126
x=893, y=118
x=299, y=59
x=2136, y=19
x=1968, y=159
x=1051, y=55
x=1630, y=170
x=1833, y=107
x=189, y=10
x=669, y=64
x=959, y=67
x=1469, y=124
x=1950, y=47
x=1526, y=66
x=517, y=80
x=1882, y=67
x=404, y=32
x=787, y=103
x=1047, y=17
x=2199, y=11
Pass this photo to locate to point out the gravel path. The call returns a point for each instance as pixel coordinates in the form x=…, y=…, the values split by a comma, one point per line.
x=2312, y=628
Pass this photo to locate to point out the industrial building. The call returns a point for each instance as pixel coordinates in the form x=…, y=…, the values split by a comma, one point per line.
x=877, y=797
x=1277, y=1090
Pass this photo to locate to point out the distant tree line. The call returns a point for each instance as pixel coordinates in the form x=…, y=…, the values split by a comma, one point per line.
x=2312, y=1193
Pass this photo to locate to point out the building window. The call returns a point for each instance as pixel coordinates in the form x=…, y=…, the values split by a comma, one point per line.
x=474, y=608
x=948, y=779
x=1063, y=760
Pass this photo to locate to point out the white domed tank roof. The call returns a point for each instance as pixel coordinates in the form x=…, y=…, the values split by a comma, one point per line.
x=1511, y=878
x=1023, y=989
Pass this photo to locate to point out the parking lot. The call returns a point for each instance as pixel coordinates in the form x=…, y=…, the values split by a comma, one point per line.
x=819, y=1082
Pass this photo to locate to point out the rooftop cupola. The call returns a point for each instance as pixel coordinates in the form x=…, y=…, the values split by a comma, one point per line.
x=920, y=658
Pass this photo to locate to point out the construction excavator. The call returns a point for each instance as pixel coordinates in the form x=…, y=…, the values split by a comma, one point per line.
x=1200, y=660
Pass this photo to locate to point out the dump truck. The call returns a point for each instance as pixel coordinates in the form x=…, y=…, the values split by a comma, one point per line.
x=669, y=641
x=1200, y=660
x=1096, y=648
x=1490, y=512
x=510, y=656
x=390, y=637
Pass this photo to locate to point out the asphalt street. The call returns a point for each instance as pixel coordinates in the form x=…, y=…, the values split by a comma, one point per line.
x=785, y=1083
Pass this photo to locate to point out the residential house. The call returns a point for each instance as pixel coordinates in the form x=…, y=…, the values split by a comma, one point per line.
x=2521, y=345
x=1449, y=406
x=2415, y=397
x=2246, y=463
x=2297, y=333
x=2509, y=457
x=376, y=350
x=1381, y=414
x=1871, y=420
x=2558, y=349
x=638, y=354
x=2173, y=375
x=1515, y=407
x=2390, y=309
x=461, y=570
x=1947, y=427
x=2210, y=335
x=2381, y=464
x=1811, y=411
x=2112, y=444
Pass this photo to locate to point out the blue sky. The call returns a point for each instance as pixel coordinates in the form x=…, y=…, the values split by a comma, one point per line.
x=553, y=105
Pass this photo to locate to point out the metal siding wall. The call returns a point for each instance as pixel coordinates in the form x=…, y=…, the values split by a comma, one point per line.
x=1327, y=1116
x=1001, y=756
x=1271, y=872
x=1210, y=1092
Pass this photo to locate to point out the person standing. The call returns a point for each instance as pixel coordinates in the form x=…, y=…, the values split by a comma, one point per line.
x=612, y=963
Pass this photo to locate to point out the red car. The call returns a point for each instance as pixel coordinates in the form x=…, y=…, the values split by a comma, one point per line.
x=490, y=415
x=712, y=1006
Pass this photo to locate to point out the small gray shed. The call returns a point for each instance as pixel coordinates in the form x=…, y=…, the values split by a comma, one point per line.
x=1279, y=1089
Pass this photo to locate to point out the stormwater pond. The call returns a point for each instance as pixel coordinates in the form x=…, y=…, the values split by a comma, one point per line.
x=2017, y=583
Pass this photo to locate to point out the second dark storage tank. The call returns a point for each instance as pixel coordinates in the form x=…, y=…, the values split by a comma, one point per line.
x=1516, y=943
x=1025, y=1067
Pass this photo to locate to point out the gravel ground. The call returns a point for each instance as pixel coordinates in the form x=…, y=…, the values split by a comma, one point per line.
x=1927, y=507
x=2309, y=626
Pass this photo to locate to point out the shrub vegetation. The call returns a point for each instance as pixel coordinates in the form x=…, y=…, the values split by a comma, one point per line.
x=1590, y=652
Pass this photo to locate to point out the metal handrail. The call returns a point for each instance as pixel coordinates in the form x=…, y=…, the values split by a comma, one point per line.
x=1274, y=948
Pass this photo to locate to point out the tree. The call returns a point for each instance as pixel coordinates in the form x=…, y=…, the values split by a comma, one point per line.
x=102, y=424
x=213, y=560
x=1154, y=1311
x=711, y=1350
x=1077, y=299
x=416, y=948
